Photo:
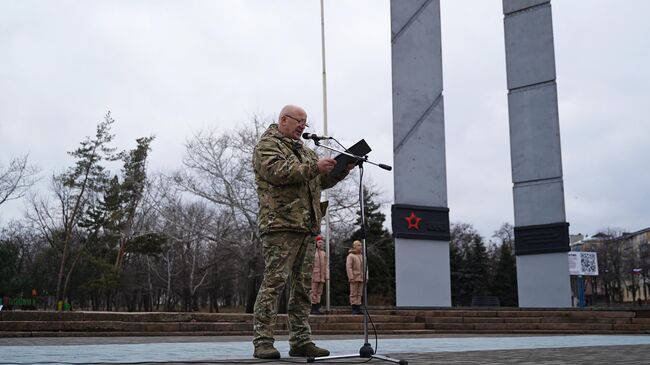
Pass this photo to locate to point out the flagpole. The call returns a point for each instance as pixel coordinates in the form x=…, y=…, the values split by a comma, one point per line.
x=327, y=214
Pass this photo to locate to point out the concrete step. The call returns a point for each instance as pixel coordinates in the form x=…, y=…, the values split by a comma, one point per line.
x=386, y=321
x=104, y=326
x=533, y=320
x=123, y=316
x=359, y=326
x=347, y=318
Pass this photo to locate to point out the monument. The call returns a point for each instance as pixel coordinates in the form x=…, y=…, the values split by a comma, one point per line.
x=420, y=215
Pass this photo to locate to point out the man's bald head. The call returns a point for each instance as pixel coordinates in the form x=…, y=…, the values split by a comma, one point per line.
x=292, y=121
x=290, y=109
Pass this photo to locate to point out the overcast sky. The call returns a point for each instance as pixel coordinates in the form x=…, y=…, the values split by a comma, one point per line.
x=172, y=68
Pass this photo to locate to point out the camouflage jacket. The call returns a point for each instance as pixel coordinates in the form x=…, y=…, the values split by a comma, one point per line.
x=288, y=184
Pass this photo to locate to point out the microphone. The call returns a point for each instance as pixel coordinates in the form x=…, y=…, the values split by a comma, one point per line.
x=314, y=137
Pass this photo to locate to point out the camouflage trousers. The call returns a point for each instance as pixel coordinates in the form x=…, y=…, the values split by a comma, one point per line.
x=288, y=256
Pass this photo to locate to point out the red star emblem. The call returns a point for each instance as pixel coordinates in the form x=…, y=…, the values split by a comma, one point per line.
x=413, y=221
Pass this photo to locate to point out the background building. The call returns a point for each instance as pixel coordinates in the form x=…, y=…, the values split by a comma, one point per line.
x=624, y=267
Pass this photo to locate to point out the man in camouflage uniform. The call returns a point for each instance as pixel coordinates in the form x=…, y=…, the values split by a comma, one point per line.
x=289, y=178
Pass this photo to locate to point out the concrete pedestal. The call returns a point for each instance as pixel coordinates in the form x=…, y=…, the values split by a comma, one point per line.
x=422, y=278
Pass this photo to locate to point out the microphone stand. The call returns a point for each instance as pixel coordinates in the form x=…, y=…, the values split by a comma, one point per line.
x=366, y=351
x=360, y=159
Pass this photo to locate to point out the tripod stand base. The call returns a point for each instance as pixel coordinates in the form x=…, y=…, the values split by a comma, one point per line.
x=365, y=352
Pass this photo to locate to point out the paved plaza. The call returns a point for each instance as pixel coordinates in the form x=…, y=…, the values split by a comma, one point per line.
x=469, y=349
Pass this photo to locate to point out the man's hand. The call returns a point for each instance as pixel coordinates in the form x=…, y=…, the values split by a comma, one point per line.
x=325, y=165
x=351, y=166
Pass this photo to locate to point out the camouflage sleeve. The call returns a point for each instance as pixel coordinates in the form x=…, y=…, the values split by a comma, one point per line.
x=327, y=181
x=276, y=167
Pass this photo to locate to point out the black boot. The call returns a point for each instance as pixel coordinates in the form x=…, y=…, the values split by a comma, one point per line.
x=315, y=309
x=356, y=309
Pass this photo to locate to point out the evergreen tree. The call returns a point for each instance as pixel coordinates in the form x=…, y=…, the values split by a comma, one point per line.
x=477, y=265
x=504, y=275
x=338, y=277
x=131, y=191
x=504, y=281
x=9, y=258
x=77, y=190
x=468, y=263
x=455, y=265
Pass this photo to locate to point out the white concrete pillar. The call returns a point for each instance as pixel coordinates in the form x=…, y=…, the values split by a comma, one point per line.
x=420, y=216
x=541, y=231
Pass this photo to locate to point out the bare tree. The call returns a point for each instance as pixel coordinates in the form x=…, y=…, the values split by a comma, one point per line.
x=505, y=235
x=631, y=271
x=16, y=178
x=644, y=261
x=160, y=196
x=503, y=265
x=218, y=169
x=610, y=262
x=188, y=226
x=191, y=242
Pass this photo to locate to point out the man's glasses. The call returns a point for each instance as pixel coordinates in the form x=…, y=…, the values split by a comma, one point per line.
x=300, y=121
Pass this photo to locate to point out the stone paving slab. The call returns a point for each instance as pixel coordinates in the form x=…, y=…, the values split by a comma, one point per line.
x=416, y=350
x=623, y=355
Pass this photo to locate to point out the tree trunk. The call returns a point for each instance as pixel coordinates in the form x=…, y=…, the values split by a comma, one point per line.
x=59, y=281
x=251, y=293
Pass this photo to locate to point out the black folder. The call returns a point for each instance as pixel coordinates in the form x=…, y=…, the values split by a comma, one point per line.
x=360, y=148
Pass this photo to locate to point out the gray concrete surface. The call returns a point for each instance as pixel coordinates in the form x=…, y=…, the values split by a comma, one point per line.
x=415, y=257
x=420, y=171
x=542, y=278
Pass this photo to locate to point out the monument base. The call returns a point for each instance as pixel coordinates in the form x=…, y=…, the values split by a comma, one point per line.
x=422, y=273
x=543, y=280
